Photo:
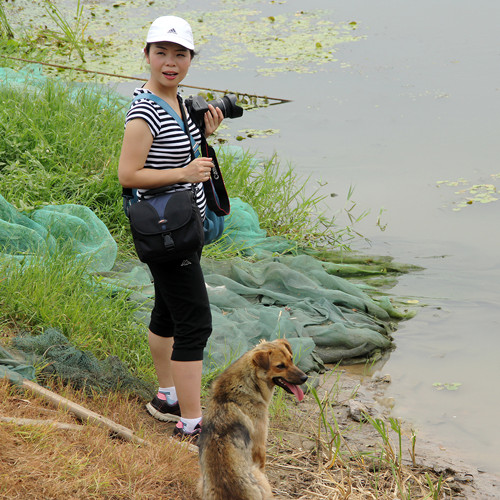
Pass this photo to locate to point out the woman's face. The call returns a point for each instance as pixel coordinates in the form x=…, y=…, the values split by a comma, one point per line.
x=169, y=63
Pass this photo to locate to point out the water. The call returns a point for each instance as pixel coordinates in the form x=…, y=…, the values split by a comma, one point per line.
x=419, y=103
x=413, y=103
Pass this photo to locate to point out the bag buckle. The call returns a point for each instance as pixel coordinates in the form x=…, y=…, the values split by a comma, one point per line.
x=168, y=242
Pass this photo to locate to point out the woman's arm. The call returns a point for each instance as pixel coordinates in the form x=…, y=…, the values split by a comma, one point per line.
x=137, y=142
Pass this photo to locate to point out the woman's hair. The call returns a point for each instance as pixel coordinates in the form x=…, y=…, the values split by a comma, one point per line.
x=148, y=46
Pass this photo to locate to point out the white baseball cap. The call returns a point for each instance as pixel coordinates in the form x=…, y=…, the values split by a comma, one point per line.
x=171, y=29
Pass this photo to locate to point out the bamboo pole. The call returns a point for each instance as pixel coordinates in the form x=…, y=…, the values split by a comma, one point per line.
x=38, y=422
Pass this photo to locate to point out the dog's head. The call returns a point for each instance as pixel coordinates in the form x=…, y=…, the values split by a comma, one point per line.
x=274, y=363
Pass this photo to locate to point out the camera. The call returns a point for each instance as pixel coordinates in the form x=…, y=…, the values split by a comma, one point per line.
x=197, y=107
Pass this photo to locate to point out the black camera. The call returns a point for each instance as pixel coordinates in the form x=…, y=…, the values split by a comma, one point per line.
x=197, y=107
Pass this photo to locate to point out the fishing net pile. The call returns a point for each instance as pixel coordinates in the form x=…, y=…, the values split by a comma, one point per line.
x=326, y=317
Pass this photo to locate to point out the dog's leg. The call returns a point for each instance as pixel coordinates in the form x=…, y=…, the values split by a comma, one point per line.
x=261, y=478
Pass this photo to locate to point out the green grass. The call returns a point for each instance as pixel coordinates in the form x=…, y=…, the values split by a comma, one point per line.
x=70, y=33
x=58, y=292
x=62, y=143
x=5, y=28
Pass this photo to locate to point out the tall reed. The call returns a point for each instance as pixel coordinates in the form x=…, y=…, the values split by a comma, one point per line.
x=5, y=28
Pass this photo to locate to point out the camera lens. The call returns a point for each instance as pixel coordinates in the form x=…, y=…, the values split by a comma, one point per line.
x=228, y=106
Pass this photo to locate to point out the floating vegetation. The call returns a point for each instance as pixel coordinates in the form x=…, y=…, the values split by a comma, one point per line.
x=298, y=42
x=228, y=36
x=448, y=386
x=250, y=133
x=472, y=193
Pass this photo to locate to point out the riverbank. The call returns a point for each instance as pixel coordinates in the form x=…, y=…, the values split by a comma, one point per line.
x=422, y=459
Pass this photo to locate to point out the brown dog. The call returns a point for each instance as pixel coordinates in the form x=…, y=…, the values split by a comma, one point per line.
x=232, y=444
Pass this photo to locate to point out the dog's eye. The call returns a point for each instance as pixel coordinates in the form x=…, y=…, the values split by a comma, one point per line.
x=281, y=366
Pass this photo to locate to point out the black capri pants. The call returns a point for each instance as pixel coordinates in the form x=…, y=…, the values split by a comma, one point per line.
x=181, y=309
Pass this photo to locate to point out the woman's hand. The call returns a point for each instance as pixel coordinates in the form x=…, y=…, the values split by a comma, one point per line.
x=198, y=170
x=213, y=118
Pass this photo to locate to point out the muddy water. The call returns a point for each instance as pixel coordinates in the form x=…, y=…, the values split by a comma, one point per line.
x=415, y=102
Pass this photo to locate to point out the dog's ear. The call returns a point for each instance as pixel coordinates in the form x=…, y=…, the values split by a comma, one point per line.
x=285, y=344
x=262, y=359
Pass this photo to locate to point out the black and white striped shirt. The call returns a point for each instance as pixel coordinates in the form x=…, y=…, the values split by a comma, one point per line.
x=171, y=147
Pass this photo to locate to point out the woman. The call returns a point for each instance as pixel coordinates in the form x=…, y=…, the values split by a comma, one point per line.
x=156, y=152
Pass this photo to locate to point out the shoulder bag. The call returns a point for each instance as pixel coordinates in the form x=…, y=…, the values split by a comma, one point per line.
x=166, y=225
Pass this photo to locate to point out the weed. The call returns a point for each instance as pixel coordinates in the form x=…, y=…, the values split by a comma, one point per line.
x=435, y=488
x=72, y=36
x=58, y=292
x=5, y=28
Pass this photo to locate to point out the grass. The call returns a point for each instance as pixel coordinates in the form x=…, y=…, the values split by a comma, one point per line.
x=5, y=28
x=58, y=292
x=59, y=34
x=71, y=35
x=71, y=158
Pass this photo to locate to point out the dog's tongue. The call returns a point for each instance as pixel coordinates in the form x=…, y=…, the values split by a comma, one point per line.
x=299, y=393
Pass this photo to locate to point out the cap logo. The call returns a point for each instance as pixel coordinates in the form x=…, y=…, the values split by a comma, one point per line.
x=172, y=30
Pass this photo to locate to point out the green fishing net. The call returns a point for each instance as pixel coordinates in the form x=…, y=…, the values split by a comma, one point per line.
x=52, y=228
x=54, y=356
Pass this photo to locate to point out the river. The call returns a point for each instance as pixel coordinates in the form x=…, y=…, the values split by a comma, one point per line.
x=414, y=102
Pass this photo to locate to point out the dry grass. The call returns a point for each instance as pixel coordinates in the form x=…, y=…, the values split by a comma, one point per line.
x=42, y=462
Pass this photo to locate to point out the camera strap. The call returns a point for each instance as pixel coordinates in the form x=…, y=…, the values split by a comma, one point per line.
x=215, y=189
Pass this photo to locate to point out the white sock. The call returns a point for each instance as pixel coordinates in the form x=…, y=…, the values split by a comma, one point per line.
x=190, y=423
x=171, y=394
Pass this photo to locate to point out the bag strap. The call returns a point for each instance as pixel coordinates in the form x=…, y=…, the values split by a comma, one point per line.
x=165, y=105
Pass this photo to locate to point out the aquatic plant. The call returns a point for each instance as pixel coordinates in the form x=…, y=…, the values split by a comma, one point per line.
x=276, y=39
x=70, y=35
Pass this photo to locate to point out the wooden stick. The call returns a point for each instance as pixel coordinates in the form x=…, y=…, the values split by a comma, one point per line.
x=85, y=415
x=32, y=421
x=278, y=99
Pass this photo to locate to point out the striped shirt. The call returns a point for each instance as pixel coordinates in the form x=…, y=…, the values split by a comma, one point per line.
x=171, y=147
